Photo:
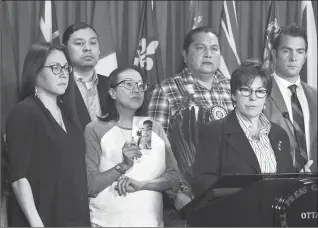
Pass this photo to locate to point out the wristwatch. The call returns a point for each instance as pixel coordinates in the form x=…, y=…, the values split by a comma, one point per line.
x=119, y=169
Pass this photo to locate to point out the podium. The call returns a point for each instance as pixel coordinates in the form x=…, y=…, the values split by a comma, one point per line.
x=266, y=200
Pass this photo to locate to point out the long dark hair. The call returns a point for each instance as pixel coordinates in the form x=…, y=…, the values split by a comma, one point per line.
x=110, y=102
x=33, y=63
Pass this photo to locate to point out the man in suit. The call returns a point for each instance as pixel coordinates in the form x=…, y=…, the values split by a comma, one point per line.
x=299, y=105
x=82, y=44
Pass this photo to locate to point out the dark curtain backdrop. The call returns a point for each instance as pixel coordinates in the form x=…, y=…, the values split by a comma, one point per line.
x=174, y=19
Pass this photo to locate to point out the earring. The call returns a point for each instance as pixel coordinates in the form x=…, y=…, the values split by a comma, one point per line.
x=36, y=92
x=264, y=107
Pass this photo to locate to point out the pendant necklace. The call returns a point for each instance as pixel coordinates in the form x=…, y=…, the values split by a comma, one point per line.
x=127, y=143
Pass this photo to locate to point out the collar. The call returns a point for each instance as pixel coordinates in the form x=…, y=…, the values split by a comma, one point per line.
x=283, y=84
x=78, y=78
x=246, y=125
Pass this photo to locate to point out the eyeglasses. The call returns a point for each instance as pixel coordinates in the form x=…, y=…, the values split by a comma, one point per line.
x=57, y=68
x=246, y=92
x=130, y=85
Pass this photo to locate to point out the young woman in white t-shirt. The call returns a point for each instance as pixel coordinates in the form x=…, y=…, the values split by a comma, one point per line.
x=125, y=182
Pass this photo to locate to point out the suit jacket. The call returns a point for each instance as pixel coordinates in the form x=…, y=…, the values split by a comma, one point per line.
x=224, y=149
x=274, y=110
x=81, y=109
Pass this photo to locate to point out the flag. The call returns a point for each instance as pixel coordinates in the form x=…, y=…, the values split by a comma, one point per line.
x=48, y=23
x=228, y=39
x=148, y=55
x=101, y=23
x=9, y=76
x=196, y=19
x=309, y=72
x=272, y=28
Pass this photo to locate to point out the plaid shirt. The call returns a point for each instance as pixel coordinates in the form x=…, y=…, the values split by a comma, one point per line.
x=166, y=98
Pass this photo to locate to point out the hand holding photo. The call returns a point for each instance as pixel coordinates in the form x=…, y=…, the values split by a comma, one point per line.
x=142, y=132
x=130, y=144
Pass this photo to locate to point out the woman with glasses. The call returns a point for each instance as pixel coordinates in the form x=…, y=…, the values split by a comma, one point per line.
x=125, y=183
x=45, y=145
x=244, y=142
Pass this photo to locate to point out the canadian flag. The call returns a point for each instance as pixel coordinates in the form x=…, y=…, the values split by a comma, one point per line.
x=228, y=39
x=48, y=23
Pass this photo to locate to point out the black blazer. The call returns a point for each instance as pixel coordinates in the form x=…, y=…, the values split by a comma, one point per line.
x=81, y=109
x=224, y=149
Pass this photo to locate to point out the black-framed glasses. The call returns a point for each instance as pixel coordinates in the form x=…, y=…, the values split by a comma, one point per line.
x=246, y=92
x=57, y=68
x=130, y=85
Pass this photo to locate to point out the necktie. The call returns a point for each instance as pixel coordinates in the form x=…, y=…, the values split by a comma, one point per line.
x=301, y=157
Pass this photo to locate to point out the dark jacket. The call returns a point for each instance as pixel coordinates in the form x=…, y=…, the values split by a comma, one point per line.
x=224, y=149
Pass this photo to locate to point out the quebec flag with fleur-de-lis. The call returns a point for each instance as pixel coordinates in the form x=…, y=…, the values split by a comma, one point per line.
x=148, y=56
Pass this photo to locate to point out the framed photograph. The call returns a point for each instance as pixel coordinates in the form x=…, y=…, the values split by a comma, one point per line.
x=142, y=132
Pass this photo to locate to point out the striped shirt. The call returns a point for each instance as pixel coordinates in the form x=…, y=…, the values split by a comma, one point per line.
x=90, y=95
x=166, y=98
x=262, y=147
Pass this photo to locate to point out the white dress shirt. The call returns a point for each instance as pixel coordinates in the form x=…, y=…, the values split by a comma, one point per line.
x=285, y=91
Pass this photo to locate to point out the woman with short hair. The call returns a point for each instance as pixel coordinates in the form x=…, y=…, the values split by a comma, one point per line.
x=243, y=142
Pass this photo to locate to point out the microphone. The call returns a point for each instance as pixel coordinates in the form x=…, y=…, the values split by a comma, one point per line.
x=286, y=116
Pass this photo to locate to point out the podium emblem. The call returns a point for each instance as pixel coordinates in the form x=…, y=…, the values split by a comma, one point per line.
x=298, y=207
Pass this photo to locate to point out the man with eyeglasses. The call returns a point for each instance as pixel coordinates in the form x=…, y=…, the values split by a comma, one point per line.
x=82, y=44
x=293, y=103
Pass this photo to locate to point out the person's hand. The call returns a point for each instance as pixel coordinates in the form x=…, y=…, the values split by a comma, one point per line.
x=181, y=200
x=306, y=168
x=127, y=185
x=129, y=153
